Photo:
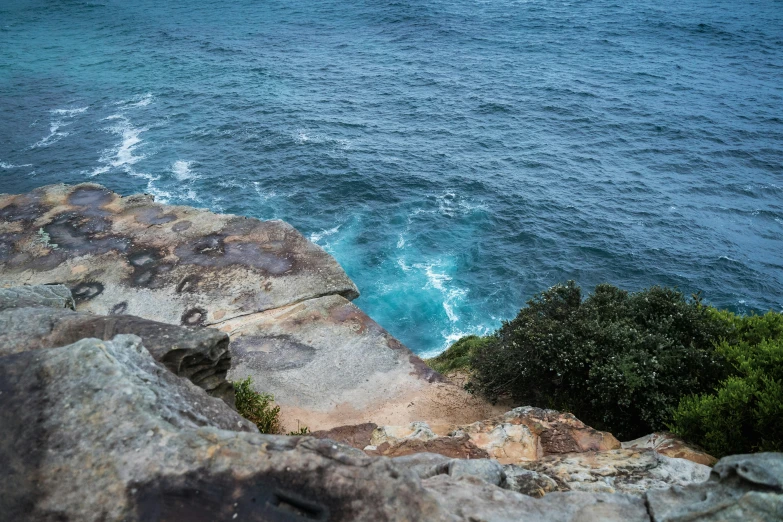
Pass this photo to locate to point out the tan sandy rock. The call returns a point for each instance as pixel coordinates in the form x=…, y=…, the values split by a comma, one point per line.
x=671, y=445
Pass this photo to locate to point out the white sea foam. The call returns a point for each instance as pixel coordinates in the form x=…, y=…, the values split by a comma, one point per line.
x=4, y=165
x=261, y=194
x=60, y=118
x=315, y=237
x=123, y=156
x=401, y=241
x=439, y=281
x=141, y=100
x=450, y=205
x=181, y=170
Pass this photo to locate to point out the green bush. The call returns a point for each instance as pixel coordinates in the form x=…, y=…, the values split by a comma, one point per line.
x=458, y=355
x=256, y=407
x=619, y=361
x=745, y=412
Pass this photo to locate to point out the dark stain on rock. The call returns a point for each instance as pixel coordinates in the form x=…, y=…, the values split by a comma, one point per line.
x=154, y=216
x=214, y=251
x=84, y=235
x=24, y=208
x=181, y=226
x=204, y=496
x=188, y=284
x=194, y=317
x=90, y=197
x=272, y=352
x=146, y=267
x=86, y=291
x=119, y=308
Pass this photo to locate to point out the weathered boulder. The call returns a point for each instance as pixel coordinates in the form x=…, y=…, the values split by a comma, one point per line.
x=178, y=265
x=427, y=465
x=357, y=436
x=529, y=482
x=100, y=431
x=741, y=488
x=328, y=364
x=618, y=471
x=198, y=354
x=671, y=445
x=471, y=499
x=51, y=296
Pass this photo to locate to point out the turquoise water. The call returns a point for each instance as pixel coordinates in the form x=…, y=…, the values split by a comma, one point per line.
x=456, y=157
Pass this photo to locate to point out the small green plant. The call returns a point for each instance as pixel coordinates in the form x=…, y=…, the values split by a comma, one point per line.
x=46, y=240
x=744, y=413
x=256, y=407
x=303, y=430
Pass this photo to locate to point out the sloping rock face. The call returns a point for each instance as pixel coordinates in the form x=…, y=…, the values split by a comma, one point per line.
x=284, y=301
x=178, y=265
x=50, y=296
x=200, y=355
x=327, y=363
x=672, y=446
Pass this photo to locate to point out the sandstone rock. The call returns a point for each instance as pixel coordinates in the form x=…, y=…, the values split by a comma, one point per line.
x=357, y=436
x=198, y=354
x=98, y=430
x=618, y=471
x=328, y=364
x=459, y=447
x=741, y=488
x=527, y=433
x=178, y=265
x=671, y=445
x=52, y=296
x=528, y=482
x=394, y=435
x=470, y=499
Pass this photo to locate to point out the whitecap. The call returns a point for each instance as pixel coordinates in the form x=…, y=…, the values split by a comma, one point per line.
x=122, y=156
x=181, y=170
x=141, y=100
x=60, y=118
x=4, y=165
x=401, y=242
x=315, y=237
x=261, y=194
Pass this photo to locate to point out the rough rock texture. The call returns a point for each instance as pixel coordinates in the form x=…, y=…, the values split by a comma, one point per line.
x=528, y=482
x=179, y=265
x=52, y=296
x=99, y=431
x=328, y=364
x=357, y=436
x=471, y=499
x=618, y=471
x=198, y=354
x=455, y=447
x=427, y=465
x=671, y=445
x=741, y=488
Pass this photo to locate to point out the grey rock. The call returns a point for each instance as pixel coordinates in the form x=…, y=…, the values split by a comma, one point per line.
x=198, y=354
x=741, y=488
x=470, y=499
x=98, y=430
x=426, y=465
x=528, y=482
x=53, y=296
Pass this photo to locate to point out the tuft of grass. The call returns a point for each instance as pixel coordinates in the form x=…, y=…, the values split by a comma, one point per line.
x=304, y=430
x=458, y=355
x=257, y=407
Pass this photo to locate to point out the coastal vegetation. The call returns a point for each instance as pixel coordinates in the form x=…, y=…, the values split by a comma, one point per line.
x=257, y=407
x=636, y=362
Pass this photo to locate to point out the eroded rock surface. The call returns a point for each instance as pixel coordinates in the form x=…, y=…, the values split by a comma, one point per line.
x=179, y=265
x=200, y=355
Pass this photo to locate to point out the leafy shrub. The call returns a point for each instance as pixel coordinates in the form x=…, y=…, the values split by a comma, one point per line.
x=458, y=355
x=619, y=361
x=256, y=407
x=745, y=412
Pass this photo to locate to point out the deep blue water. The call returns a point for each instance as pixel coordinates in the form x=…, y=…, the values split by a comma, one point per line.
x=455, y=156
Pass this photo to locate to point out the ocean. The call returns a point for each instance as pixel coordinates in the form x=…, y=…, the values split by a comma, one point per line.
x=456, y=157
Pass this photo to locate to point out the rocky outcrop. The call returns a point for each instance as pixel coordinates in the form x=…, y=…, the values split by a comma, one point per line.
x=50, y=296
x=200, y=355
x=99, y=431
x=283, y=300
x=673, y=446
